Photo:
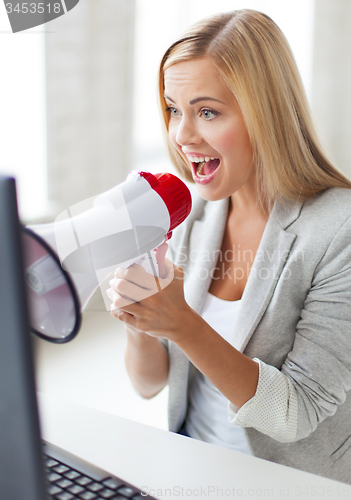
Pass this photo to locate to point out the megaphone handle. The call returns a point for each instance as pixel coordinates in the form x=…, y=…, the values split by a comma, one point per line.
x=149, y=263
x=160, y=254
x=153, y=261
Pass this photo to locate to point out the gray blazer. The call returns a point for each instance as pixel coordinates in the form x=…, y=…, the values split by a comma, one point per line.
x=295, y=315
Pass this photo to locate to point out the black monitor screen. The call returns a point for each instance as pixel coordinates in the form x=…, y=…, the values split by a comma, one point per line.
x=21, y=469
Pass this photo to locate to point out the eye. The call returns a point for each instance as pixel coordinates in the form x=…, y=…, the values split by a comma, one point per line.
x=172, y=111
x=208, y=114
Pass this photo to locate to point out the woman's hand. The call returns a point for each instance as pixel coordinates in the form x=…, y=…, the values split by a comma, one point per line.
x=149, y=304
x=166, y=314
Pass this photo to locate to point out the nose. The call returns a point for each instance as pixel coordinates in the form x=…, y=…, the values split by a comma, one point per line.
x=187, y=133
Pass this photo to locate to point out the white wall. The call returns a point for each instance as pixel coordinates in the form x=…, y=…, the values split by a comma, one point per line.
x=331, y=98
x=89, y=68
x=22, y=114
x=66, y=105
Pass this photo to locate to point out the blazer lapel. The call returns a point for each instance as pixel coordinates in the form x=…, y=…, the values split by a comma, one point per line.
x=268, y=265
x=205, y=242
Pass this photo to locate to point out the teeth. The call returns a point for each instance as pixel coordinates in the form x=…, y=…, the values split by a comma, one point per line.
x=200, y=159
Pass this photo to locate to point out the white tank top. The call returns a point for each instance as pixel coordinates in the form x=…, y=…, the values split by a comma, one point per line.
x=207, y=417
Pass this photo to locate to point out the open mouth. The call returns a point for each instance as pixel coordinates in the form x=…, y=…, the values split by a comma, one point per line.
x=204, y=168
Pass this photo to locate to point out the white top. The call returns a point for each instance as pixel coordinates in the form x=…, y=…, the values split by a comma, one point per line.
x=211, y=416
x=207, y=417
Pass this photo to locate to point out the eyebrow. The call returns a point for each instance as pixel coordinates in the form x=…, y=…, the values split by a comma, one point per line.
x=198, y=99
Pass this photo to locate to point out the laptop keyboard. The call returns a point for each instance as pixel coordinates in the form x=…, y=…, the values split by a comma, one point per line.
x=67, y=483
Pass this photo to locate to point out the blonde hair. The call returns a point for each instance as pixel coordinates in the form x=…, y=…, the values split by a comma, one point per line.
x=255, y=61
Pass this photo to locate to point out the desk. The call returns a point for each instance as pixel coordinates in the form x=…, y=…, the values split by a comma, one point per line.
x=90, y=371
x=173, y=466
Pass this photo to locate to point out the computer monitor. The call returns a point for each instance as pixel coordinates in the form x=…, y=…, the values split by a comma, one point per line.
x=21, y=459
x=31, y=469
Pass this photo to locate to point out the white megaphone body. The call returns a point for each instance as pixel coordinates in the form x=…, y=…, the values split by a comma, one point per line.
x=66, y=261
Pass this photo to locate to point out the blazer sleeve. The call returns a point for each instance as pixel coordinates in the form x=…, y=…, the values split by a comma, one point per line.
x=273, y=408
x=316, y=374
x=319, y=364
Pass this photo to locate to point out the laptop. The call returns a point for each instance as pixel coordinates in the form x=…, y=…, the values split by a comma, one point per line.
x=29, y=468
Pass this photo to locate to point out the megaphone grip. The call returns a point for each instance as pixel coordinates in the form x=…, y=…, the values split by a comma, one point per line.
x=150, y=265
x=148, y=261
x=160, y=254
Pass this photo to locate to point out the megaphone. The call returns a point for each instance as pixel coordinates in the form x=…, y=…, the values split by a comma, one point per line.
x=66, y=261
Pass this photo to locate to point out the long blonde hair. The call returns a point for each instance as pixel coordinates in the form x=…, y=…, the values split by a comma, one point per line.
x=255, y=61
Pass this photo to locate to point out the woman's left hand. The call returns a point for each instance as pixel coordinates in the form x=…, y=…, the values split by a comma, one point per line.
x=149, y=304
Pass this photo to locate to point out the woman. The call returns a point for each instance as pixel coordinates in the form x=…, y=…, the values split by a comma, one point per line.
x=256, y=345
